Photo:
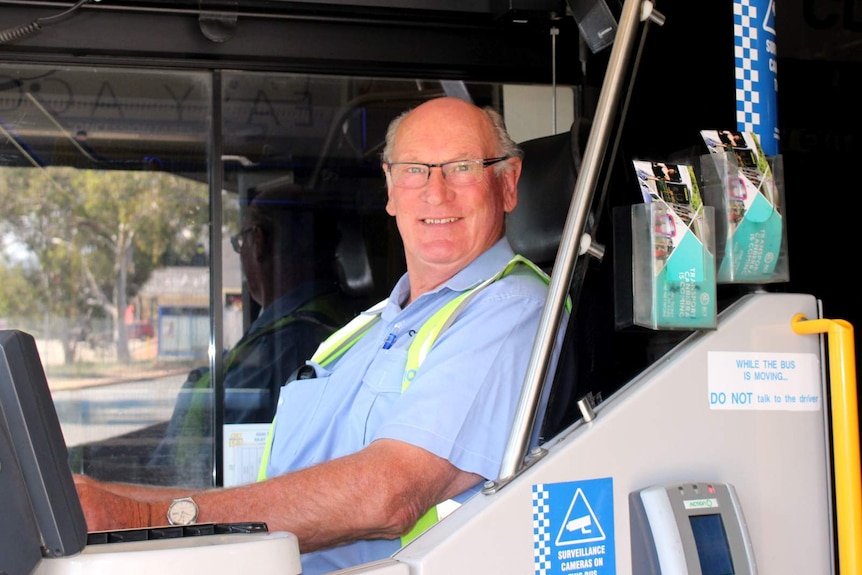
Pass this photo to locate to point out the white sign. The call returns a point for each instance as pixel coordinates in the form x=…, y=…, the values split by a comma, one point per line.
x=243, y=450
x=764, y=381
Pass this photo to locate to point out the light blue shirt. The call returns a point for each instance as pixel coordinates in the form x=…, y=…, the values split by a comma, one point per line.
x=459, y=406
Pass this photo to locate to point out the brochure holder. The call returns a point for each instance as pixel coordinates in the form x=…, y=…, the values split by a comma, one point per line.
x=664, y=268
x=750, y=227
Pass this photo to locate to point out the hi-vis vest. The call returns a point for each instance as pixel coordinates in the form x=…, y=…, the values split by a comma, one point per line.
x=338, y=343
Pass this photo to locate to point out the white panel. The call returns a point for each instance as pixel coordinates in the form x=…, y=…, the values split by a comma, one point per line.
x=660, y=429
x=275, y=553
x=531, y=110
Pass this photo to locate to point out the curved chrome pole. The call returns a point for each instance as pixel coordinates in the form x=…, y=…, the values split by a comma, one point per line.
x=570, y=245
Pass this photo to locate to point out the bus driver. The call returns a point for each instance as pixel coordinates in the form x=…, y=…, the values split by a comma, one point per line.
x=376, y=438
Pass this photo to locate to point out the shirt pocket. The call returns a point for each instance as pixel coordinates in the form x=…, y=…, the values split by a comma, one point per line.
x=380, y=390
x=297, y=420
x=386, y=371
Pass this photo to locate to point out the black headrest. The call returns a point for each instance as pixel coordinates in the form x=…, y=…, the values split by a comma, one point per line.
x=545, y=189
x=351, y=260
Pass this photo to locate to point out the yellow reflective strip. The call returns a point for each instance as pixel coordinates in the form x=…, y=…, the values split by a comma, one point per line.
x=336, y=344
x=425, y=338
x=426, y=521
x=443, y=318
x=540, y=272
x=267, y=449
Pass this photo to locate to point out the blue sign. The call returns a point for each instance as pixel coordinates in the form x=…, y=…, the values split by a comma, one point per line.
x=756, y=68
x=573, y=528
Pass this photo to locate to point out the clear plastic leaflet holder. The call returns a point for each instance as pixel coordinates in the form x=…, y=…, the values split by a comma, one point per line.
x=750, y=227
x=664, y=268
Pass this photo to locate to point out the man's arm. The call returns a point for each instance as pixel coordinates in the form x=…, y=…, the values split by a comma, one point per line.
x=379, y=492
x=141, y=493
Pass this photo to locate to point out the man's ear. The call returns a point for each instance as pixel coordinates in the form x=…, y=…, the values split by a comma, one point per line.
x=510, y=184
x=260, y=245
x=390, y=205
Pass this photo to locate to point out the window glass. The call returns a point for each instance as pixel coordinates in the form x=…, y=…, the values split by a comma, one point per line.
x=103, y=241
x=169, y=311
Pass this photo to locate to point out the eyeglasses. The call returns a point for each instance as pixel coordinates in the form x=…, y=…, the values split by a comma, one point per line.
x=456, y=173
x=237, y=240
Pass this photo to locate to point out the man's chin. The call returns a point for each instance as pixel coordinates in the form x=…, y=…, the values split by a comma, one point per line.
x=441, y=252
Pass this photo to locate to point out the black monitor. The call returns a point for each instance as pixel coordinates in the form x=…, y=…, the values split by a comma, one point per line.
x=40, y=513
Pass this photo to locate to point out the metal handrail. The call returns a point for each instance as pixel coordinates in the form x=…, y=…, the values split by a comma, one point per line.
x=572, y=244
x=845, y=435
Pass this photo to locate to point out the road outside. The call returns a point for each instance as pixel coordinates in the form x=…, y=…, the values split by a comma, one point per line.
x=107, y=399
x=96, y=412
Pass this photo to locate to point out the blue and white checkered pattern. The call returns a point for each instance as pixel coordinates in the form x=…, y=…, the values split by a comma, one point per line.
x=541, y=530
x=745, y=48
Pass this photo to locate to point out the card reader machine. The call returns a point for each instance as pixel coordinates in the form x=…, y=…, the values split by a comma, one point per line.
x=690, y=528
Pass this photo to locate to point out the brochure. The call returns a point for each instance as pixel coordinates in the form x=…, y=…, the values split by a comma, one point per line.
x=683, y=267
x=752, y=206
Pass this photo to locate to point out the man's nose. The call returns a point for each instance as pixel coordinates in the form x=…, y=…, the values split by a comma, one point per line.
x=436, y=191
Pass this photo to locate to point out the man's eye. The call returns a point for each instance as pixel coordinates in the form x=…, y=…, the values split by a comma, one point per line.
x=462, y=167
x=417, y=169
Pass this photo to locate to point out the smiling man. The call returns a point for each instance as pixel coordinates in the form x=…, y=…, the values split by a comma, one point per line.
x=448, y=212
x=395, y=421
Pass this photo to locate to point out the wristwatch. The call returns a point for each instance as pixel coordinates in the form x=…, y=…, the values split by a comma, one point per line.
x=182, y=511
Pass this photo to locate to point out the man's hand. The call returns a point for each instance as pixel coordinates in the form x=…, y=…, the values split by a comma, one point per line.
x=105, y=510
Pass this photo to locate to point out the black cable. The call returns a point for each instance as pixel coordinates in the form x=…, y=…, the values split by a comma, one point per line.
x=26, y=30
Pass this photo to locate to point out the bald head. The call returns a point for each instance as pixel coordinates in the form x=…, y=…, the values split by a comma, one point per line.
x=487, y=123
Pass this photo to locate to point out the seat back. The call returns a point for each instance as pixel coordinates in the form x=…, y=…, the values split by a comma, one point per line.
x=548, y=176
x=545, y=188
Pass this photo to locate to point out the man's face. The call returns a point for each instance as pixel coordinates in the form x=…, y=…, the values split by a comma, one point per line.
x=444, y=226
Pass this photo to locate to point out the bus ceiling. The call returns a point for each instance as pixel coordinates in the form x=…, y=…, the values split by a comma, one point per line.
x=494, y=40
x=438, y=50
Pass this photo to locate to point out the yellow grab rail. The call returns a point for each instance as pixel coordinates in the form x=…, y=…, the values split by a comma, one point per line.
x=845, y=435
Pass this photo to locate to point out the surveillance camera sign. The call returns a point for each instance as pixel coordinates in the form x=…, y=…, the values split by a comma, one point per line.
x=573, y=528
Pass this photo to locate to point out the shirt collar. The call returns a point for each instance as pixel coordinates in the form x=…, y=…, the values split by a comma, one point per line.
x=486, y=265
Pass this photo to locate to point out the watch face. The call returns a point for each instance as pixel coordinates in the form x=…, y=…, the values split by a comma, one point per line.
x=182, y=512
